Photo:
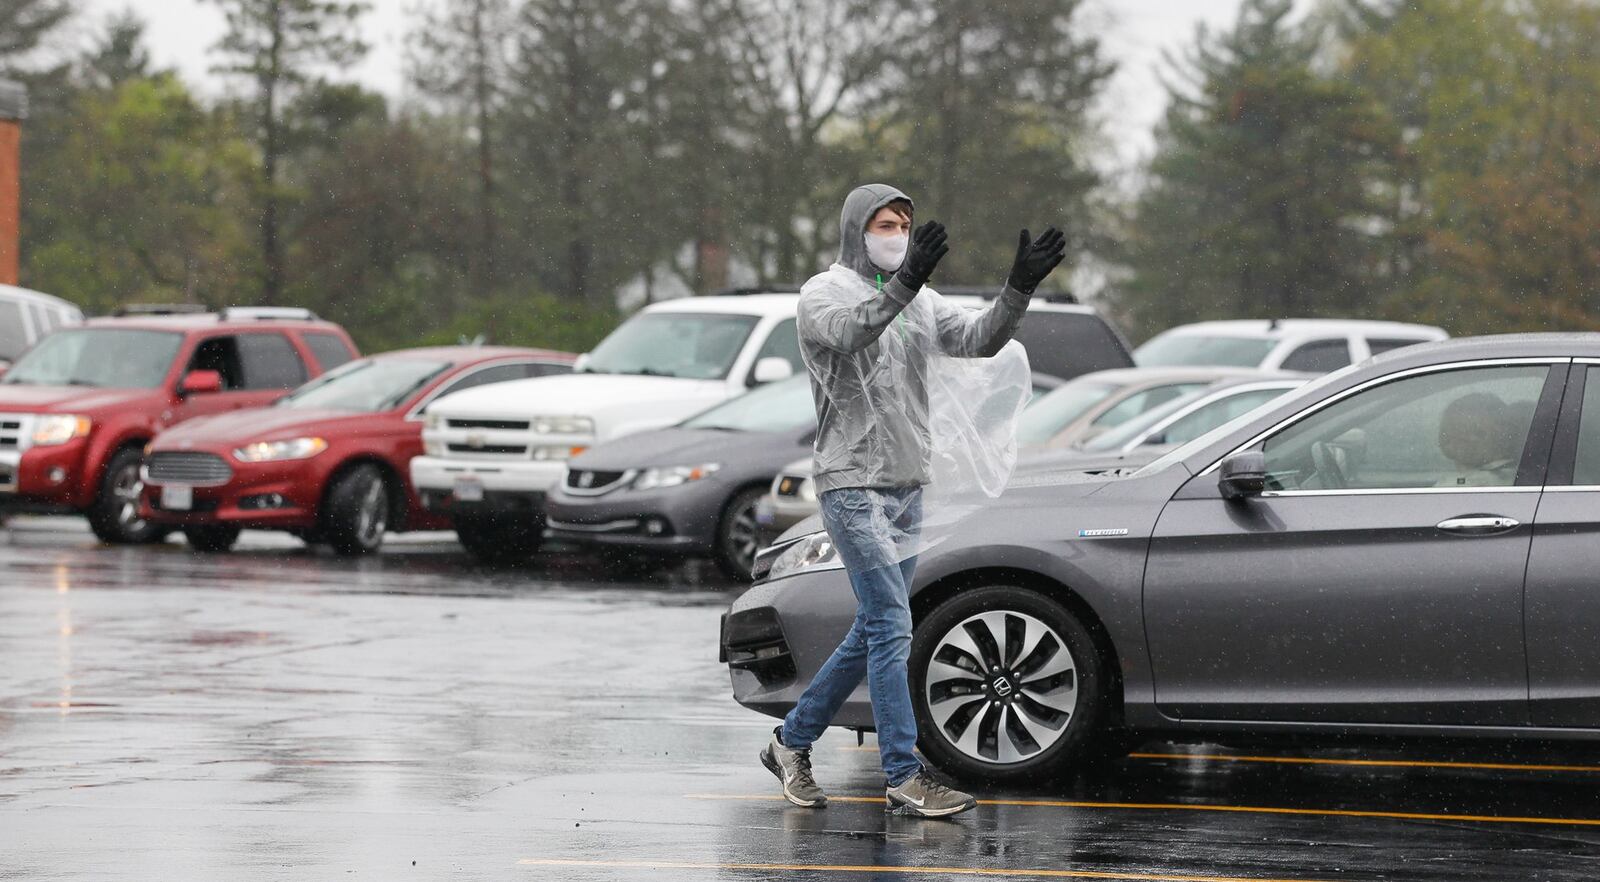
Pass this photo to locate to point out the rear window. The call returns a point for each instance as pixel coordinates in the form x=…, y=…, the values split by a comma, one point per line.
x=1172, y=350
x=270, y=362
x=1070, y=344
x=330, y=350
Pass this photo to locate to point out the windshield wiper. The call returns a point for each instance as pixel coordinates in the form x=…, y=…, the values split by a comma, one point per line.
x=650, y=372
x=86, y=383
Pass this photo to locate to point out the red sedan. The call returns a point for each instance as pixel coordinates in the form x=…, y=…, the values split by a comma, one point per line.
x=330, y=461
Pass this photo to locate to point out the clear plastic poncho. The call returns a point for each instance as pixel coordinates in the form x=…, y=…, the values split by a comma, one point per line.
x=912, y=391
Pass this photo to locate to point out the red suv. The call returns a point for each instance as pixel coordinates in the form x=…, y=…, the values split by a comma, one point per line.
x=78, y=408
x=330, y=461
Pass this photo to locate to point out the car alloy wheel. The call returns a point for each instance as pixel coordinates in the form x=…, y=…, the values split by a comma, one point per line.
x=372, y=518
x=126, y=487
x=114, y=513
x=1002, y=686
x=739, y=534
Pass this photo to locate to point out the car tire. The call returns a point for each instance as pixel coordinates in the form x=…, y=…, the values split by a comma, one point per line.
x=1023, y=718
x=495, y=541
x=114, y=513
x=211, y=538
x=738, y=535
x=356, y=511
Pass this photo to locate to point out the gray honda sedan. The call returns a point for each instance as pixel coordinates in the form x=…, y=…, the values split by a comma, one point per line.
x=1409, y=545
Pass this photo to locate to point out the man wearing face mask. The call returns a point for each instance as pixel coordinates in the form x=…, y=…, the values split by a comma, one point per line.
x=869, y=331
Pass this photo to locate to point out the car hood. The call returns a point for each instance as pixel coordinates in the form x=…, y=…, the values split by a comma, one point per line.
x=23, y=398
x=573, y=394
x=765, y=452
x=257, y=424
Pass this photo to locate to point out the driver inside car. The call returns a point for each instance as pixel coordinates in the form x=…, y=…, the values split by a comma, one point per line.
x=1475, y=434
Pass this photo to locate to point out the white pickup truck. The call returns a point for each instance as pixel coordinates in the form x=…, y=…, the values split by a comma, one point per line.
x=491, y=454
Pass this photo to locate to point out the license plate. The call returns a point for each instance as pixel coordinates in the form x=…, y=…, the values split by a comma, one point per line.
x=469, y=490
x=177, y=497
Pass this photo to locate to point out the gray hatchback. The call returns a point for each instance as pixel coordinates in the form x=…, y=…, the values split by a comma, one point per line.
x=1406, y=546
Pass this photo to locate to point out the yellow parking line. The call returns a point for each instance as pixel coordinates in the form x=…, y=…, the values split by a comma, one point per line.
x=1313, y=761
x=1187, y=807
x=939, y=871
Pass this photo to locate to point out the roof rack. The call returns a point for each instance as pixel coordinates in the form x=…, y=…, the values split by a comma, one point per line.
x=267, y=313
x=139, y=309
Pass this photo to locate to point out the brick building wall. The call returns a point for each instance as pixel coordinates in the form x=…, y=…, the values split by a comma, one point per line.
x=13, y=109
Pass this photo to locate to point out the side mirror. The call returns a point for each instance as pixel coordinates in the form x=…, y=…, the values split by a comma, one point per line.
x=581, y=363
x=200, y=383
x=772, y=369
x=1243, y=474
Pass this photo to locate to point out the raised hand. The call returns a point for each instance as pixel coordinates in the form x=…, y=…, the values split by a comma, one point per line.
x=1036, y=258
x=927, y=249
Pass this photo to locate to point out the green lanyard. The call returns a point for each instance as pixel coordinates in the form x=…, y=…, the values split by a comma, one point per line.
x=899, y=319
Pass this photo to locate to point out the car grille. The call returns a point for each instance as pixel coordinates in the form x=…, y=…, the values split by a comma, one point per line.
x=506, y=425
x=11, y=431
x=198, y=469
x=593, y=483
x=503, y=449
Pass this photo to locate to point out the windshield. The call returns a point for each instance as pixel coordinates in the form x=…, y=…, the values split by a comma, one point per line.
x=1133, y=428
x=1167, y=350
x=1051, y=413
x=774, y=408
x=119, y=358
x=673, y=344
x=367, y=386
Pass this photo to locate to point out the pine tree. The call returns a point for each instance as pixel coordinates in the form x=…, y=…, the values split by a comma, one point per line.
x=278, y=44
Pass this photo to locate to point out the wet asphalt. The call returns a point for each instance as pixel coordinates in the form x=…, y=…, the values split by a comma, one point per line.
x=277, y=713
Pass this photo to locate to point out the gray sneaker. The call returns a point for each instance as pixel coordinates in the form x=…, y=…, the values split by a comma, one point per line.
x=793, y=768
x=921, y=795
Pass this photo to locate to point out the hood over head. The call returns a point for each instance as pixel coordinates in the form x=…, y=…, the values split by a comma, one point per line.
x=859, y=207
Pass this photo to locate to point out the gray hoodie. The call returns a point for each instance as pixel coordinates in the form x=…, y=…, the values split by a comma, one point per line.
x=868, y=341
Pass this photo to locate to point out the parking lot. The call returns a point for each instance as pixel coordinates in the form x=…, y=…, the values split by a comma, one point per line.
x=277, y=713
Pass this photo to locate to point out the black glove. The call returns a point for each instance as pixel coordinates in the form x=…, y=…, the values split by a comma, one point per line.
x=926, y=249
x=1036, y=259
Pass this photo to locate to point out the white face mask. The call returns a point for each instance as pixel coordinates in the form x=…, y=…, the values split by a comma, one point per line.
x=887, y=252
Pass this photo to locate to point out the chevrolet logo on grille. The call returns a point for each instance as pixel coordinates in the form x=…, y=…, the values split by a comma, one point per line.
x=475, y=441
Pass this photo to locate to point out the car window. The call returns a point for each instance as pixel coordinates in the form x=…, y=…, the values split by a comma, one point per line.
x=1318, y=356
x=13, y=339
x=1380, y=345
x=499, y=373
x=1141, y=401
x=1214, y=414
x=674, y=344
x=270, y=361
x=1070, y=344
x=330, y=350
x=120, y=358
x=784, y=343
x=1461, y=428
x=547, y=368
x=1051, y=413
x=1169, y=350
x=1586, y=471
x=220, y=354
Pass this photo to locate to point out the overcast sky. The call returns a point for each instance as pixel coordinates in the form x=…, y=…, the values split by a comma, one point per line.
x=1135, y=33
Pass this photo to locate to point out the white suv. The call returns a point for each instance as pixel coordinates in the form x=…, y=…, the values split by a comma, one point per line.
x=25, y=316
x=1309, y=345
x=491, y=454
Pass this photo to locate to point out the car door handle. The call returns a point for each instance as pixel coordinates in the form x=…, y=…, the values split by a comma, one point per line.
x=1479, y=525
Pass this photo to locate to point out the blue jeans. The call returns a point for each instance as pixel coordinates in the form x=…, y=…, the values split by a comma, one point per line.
x=861, y=523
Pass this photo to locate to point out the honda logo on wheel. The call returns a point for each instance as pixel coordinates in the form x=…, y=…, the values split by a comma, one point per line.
x=1002, y=687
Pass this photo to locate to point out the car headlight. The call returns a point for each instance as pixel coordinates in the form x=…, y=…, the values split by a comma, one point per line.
x=553, y=425
x=431, y=447
x=673, y=476
x=547, y=454
x=59, y=428
x=815, y=551
x=278, y=451
x=432, y=421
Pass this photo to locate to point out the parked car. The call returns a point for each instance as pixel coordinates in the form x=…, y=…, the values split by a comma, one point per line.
x=1148, y=436
x=1406, y=547
x=328, y=462
x=1077, y=411
x=26, y=316
x=1309, y=345
x=691, y=489
x=78, y=408
x=671, y=360
x=792, y=497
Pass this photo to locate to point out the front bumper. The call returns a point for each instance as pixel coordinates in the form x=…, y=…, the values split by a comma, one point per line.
x=508, y=488
x=675, y=519
x=777, y=635
x=28, y=478
x=259, y=496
